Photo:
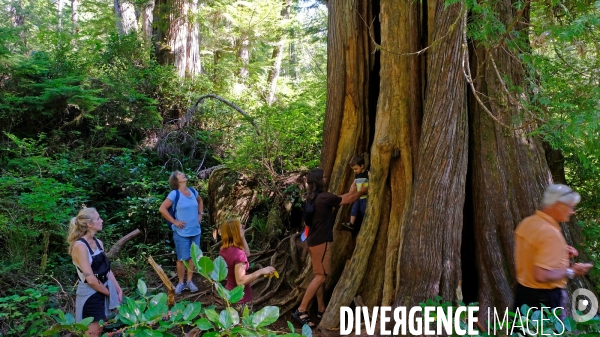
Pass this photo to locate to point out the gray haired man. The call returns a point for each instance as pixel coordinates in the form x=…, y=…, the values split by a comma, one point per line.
x=542, y=255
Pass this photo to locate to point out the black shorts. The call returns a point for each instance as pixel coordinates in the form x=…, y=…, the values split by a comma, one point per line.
x=95, y=307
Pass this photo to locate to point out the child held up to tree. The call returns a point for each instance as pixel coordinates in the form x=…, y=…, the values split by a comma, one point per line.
x=361, y=178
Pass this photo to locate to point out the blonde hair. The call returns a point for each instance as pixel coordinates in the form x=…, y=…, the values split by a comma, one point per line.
x=230, y=234
x=173, y=181
x=78, y=226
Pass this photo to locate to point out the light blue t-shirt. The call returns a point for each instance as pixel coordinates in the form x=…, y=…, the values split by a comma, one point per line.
x=187, y=211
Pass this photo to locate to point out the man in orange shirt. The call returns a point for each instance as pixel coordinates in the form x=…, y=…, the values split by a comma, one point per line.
x=542, y=254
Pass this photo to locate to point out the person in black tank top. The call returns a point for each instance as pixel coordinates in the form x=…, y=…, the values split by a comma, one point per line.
x=320, y=238
x=95, y=276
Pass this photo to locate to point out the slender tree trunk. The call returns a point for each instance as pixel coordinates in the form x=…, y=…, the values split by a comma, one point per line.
x=126, y=19
x=278, y=56
x=75, y=15
x=147, y=18
x=293, y=60
x=60, y=4
x=244, y=58
x=177, y=35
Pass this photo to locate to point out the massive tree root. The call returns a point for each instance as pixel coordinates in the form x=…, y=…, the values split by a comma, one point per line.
x=292, y=261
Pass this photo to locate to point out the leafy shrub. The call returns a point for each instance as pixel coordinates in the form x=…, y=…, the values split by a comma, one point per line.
x=150, y=315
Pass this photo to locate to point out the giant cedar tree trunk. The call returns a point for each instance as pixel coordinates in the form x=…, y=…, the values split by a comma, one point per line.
x=471, y=177
x=509, y=170
x=177, y=35
x=430, y=256
x=126, y=20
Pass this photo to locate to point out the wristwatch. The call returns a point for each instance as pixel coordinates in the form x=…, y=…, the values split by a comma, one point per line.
x=201, y=213
x=570, y=273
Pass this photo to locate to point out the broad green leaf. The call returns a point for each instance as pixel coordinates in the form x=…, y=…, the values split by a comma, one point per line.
x=86, y=321
x=196, y=253
x=203, y=324
x=191, y=311
x=69, y=319
x=212, y=316
x=291, y=326
x=205, y=266
x=569, y=324
x=235, y=317
x=225, y=319
x=148, y=333
x=211, y=334
x=265, y=316
x=306, y=331
x=142, y=288
x=236, y=294
x=157, y=307
x=126, y=315
x=220, y=271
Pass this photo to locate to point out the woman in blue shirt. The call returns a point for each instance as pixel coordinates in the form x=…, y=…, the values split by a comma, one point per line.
x=186, y=225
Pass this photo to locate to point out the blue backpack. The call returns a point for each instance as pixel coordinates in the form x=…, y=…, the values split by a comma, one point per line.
x=173, y=208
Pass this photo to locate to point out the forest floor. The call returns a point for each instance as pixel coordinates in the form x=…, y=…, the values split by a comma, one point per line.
x=207, y=296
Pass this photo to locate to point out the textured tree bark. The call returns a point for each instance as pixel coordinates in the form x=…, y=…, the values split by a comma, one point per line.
x=508, y=166
x=390, y=178
x=147, y=18
x=471, y=176
x=126, y=21
x=177, y=35
x=433, y=225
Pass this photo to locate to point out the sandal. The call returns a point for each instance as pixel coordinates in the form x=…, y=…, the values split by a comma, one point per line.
x=320, y=314
x=302, y=317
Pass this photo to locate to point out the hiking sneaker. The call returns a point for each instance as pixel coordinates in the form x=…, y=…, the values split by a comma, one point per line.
x=191, y=286
x=347, y=226
x=179, y=288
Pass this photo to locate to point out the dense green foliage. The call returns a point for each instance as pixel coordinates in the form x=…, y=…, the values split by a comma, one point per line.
x=150, y=316
x=89, y=116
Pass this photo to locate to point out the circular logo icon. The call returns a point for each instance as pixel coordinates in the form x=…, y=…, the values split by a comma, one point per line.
x=583, y=300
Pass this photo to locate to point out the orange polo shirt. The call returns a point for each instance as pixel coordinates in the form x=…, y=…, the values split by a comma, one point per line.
x=539, y=242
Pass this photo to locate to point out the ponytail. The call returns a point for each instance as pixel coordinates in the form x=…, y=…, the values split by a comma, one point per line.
x=78, y=226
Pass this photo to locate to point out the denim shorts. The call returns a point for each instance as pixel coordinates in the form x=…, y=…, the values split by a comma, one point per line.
x=183, y=245
x=359, y=207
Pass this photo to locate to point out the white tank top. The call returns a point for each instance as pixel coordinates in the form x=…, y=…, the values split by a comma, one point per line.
x=96, y=252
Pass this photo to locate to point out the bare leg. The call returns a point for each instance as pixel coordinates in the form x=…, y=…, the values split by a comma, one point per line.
x=312, y=289
x=352, y=219
x=180, y=270
x=190, y=272
x=320, y=298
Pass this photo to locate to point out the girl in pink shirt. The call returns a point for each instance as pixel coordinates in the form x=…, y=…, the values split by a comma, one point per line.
x=235, y=251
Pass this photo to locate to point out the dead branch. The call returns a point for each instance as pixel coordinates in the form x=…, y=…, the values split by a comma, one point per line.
x=116, y=248
x=194, y=108
x=166, y=281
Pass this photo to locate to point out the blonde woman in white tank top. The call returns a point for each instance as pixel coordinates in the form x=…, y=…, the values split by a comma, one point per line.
x=98, y=290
